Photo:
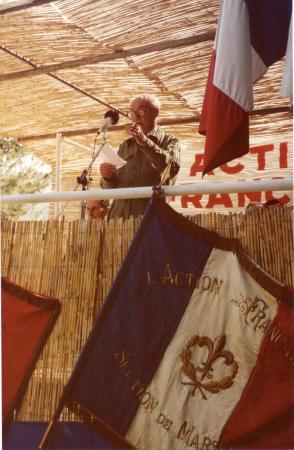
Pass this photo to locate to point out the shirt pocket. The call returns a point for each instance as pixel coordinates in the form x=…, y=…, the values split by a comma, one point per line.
x=126, y=174
x=127, y=151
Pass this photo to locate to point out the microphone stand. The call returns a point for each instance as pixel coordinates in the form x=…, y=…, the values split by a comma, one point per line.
x=84, y=180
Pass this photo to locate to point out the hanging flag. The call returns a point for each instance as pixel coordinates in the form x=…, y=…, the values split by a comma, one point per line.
x=27, y=320
x=191, y=332
x=251, y=36
x=287, y=81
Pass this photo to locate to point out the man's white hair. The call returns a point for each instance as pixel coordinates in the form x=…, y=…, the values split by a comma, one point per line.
x=150, y=99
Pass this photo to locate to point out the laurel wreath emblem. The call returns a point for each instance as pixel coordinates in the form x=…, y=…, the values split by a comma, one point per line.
x=202, y=377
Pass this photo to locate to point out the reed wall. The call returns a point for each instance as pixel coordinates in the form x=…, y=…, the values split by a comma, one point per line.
x=77, y=262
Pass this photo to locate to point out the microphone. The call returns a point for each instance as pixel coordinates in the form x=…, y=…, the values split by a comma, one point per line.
x=111, y=117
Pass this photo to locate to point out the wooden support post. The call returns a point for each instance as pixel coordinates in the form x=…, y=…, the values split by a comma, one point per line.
x=58, y=168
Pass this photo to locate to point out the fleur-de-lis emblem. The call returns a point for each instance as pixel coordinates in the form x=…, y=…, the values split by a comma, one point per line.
x=202, y=376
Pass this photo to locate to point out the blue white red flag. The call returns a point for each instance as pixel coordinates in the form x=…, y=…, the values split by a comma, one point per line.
x=251, y=36
x=193, y=348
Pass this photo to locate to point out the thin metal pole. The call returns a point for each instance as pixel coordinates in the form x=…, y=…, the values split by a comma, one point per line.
x=84, y=174
x=77, y=145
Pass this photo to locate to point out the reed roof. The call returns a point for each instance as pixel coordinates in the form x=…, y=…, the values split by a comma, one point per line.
x=98, y=48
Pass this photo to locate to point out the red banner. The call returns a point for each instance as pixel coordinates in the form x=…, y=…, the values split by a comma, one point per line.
x=27, y=320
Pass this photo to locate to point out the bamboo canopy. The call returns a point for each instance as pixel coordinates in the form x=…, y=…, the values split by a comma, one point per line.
x=77, y=261
x=64, y=63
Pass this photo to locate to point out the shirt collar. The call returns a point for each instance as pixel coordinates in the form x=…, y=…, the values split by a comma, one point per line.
x=155, y=132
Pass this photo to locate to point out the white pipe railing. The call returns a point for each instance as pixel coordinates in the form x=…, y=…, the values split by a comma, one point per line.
x=145, y=192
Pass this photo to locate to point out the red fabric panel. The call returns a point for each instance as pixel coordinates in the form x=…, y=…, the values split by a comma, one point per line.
x=264, y=416
x=225, y=125
x=27, y=320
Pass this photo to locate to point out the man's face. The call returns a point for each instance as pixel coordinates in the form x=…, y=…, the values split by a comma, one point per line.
x=143, y=115
x=94, y=210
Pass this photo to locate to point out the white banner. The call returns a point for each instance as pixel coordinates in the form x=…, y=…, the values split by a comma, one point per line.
x=267, y=161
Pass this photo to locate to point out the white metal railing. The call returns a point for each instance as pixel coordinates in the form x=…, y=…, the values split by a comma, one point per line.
x=145, y=192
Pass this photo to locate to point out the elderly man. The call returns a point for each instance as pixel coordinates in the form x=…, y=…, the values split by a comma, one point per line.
x=152, y=157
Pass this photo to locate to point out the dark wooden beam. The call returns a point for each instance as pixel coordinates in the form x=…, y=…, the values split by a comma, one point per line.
x=21, y=4
x=273, y=110
x=58, y=78
x=85, y=131
x=168, y=121
x=117, y=54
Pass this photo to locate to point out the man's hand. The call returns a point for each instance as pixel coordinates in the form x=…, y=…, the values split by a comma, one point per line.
x=107, y=170
x=136, y=131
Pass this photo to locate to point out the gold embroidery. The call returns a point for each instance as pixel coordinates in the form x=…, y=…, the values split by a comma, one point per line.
x=206, y=369
x=255, y=311
x=167, y=275
x=281, y=343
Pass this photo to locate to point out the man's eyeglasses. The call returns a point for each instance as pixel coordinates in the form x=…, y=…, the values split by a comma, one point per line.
x=140, y=112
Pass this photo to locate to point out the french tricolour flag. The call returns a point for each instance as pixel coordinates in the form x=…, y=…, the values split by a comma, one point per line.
x=192, y=349
x=251, y=36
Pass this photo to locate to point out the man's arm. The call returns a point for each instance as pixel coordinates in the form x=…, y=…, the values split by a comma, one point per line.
x=160, y=157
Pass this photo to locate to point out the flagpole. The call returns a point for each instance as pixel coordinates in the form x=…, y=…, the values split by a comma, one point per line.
x=52, y=423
